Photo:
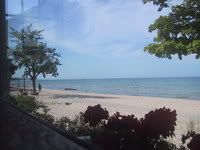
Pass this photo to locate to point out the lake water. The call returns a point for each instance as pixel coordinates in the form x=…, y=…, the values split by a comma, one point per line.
x=184, y=88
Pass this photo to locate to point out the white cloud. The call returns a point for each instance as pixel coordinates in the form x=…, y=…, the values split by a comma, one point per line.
x=112, y=27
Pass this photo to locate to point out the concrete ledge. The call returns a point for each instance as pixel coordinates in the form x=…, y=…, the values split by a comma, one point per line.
x=19, y=130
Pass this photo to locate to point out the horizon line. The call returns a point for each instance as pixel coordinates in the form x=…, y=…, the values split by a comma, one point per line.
x=119, y=78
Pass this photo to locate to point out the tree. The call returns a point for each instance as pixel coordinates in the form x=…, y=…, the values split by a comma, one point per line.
x=178, y=32
x=12, y=68
x=33, y=55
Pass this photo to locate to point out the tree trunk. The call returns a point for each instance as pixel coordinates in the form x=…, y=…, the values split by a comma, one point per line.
x=34, y=85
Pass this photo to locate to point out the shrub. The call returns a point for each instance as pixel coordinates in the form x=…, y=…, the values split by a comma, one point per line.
x=76, y=126
x=194, y=140
x=121, y=123
x=124, y=132
x=30, y=105
x=45, y=116
x=118, y=133
x=27, y=103
x=159, y=123
x=165, y=145
x=62, y=123
x=95, y=114
x=194, y=143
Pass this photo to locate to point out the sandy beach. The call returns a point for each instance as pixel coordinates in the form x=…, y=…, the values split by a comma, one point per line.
x=187, y=110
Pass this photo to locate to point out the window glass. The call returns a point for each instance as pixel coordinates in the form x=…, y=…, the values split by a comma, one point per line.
x=114, y=56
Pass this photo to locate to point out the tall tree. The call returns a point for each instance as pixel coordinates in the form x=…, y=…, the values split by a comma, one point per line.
x=32, y=54
x=178, y=33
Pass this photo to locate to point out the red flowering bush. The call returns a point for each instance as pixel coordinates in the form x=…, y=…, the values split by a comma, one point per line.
x=120, y=123
x=159, y=123
x=194, y=143
x=95, y=114
x=118, y=132
x=108, y=140
x=124, y=132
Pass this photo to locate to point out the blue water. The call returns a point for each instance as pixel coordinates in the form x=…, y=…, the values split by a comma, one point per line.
x=183, y=88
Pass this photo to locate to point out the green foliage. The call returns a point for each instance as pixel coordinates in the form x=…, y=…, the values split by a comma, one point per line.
x=30, y=105
x=45, y=116
x=12, y=67
x=165, y=145
x=178, y=33
x=33, y=54
x=27, y=103
x=161, y=3
x=75, y=126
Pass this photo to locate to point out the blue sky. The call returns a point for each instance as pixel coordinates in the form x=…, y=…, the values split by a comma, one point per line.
x=104, y=39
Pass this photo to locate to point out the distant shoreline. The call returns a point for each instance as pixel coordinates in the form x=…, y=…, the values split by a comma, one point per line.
x=114, y=78
x=169, y=98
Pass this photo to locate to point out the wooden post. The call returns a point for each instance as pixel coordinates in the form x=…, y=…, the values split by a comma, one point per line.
x=4, y=76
